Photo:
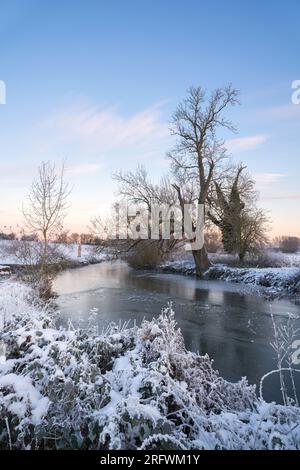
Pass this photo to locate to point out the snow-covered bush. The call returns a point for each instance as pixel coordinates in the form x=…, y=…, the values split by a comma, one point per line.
x=277, y=282
x=128, y=388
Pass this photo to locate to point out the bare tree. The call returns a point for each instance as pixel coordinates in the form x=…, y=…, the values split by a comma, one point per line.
x=137, y=190
x=47, y=204
x=74, y=237
x=198, y=150
x=289, y=244
x=193, y=160
x=62, y=237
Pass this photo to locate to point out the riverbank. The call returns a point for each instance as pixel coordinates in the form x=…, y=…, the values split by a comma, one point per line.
x=17, y=254
x=127, y=388
x=282, y=281
x=271, y=282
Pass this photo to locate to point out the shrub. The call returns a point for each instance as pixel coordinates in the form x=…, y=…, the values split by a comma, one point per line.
x=7, y=236
x=146, y=254
x=127, y=388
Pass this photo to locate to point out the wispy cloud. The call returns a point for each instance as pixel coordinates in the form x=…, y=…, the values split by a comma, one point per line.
x=242, y=144
x=82, y=169
x=266, y=179
x=102, y=130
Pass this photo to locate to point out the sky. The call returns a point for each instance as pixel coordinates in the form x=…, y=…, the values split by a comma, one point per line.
x=94, y=83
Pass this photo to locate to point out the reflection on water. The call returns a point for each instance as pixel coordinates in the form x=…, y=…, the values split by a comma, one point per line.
x=224, y=320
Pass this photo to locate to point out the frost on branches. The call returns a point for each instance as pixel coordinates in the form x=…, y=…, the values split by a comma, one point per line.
x=128, y=388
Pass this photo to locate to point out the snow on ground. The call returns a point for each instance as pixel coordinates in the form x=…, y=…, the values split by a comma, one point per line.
x=292, y=258
x=184, y=266
x=279, y=281
x=275, y=281
x=283, y=280
x=136, y=388
x=88, y=253
x=9, y=253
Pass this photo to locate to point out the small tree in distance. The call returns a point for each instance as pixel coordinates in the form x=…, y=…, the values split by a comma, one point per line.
x=47, y=204
x=289, y=244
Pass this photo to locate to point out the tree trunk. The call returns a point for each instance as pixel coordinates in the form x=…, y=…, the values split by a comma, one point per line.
x=242, y=254
x=44, y=264
x=202, y=262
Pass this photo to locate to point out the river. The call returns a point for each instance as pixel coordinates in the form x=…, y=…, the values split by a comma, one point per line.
x=227, y=321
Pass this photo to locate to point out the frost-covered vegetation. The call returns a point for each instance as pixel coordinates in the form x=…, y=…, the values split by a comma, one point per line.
x=276, y=275
x=126, y=388
x=28, y=253
x=276, y=281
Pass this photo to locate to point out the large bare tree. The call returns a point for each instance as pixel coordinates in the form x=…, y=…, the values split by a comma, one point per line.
x=198, y=150
x=47, y=203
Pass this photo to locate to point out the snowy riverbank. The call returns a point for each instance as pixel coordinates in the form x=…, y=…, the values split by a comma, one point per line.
x=16, y=253
x=273, y=282
x=276, y=282
x=127, y=388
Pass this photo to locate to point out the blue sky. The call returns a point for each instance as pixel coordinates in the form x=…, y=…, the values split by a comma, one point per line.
x=95, y=83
